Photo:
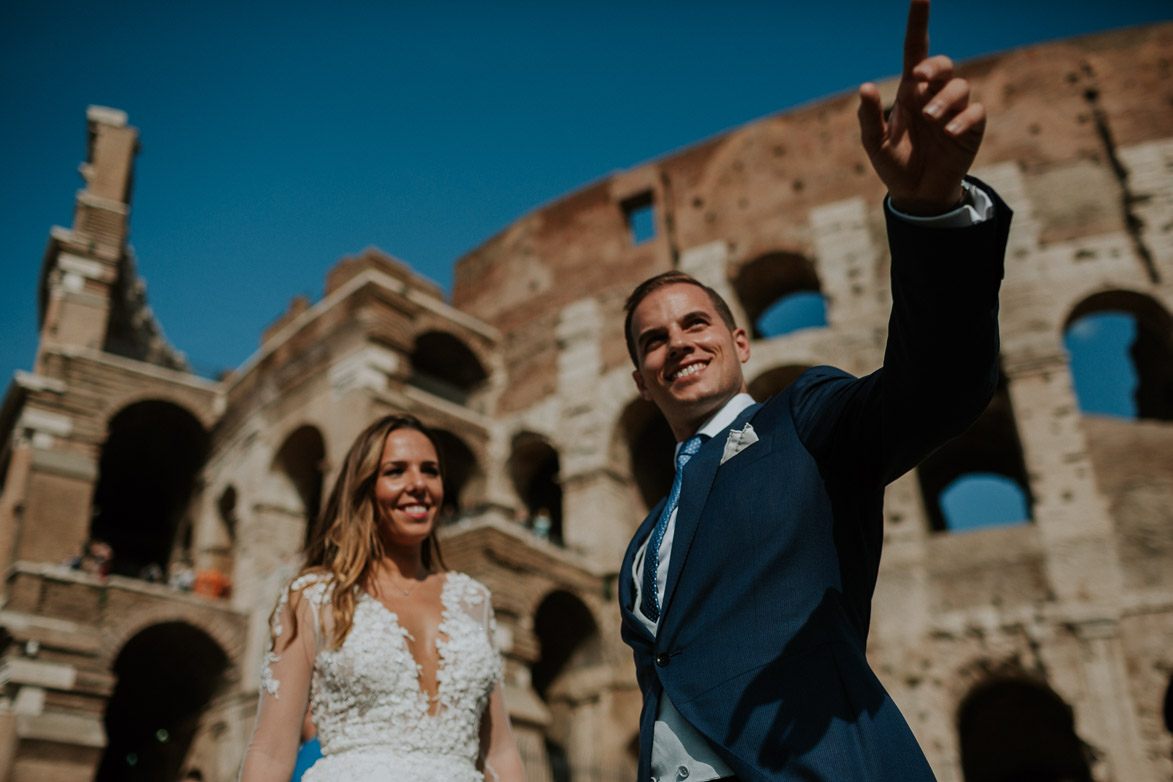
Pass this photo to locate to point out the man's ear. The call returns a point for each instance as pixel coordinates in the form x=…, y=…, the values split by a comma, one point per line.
x=639, y=383
x=741, y=342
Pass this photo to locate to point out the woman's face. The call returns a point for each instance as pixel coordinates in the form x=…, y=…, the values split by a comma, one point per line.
x=408, y=489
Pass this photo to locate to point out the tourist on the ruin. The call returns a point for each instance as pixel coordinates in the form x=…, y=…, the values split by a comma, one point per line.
x=96, y=558
x=394, y=655
x=746, y=593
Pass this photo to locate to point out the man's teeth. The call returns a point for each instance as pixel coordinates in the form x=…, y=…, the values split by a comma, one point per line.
x=688, y=370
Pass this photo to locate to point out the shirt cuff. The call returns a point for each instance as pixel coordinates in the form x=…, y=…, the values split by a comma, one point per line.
x=976, y=207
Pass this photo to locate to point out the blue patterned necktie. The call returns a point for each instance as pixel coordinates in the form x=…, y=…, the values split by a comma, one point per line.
x=650, y=600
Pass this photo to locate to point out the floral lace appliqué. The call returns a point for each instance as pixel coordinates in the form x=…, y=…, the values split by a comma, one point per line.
x=366, y=701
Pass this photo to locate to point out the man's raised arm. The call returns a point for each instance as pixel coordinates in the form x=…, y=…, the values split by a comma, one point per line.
x=930, y=139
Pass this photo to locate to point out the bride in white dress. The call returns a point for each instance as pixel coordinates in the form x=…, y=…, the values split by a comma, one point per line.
x=394, y=656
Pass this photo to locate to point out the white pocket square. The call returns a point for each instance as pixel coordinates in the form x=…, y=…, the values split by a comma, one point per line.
x=738, y=441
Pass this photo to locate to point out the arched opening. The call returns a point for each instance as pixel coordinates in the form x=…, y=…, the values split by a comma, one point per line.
x=649, y=448
x=167, y=674
x=222, y=547
x=460, y=466
x=774, y=381
x=534, y=468
x=1120, y=346
x=980, y=499
x=780, y=293
x=301, y=460
x=145, y=476
x=792, y=312
x=570, y=645
x=569, y=640
x=1018, y=731
x=443, y=365
x=983, y=470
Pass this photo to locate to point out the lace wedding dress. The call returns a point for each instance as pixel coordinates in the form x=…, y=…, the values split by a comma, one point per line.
x=374, y=722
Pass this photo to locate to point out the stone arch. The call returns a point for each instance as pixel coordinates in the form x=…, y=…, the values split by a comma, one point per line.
x=534, y=467
x=167, y=674
x=146, y=473
x=1149, y=354
x=445, y=365
x=298, y=472
x=774, y=381
x=197, y=403
x=643, y=442
x=1015, y=730
x=769, y=281
x=991, y=446
x=462, y=474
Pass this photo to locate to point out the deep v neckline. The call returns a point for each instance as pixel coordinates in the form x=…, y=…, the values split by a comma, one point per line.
x=426, y=698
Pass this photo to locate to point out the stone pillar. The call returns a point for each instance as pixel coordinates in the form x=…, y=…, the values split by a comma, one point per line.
x=1071, y=514
x=848, y=262
x=593, y=519
x=55, y=520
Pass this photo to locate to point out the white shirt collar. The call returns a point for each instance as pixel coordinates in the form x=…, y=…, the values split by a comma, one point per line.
x=722, y=418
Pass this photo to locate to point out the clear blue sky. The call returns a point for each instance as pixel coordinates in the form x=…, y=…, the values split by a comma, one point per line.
x=278, y=137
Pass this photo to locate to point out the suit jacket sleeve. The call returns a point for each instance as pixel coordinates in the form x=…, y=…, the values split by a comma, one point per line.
x=941, y=361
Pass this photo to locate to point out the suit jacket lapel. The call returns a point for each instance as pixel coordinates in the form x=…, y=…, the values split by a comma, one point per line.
x=698, y=479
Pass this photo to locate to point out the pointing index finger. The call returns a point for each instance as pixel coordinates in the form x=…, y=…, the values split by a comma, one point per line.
x=916, y=35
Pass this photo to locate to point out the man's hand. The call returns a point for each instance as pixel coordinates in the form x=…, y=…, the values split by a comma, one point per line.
x=932, y=135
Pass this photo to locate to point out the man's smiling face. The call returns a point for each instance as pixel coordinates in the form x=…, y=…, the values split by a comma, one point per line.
x=689, y=360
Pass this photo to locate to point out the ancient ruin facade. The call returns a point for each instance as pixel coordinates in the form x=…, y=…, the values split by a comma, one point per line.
x=1036, y=650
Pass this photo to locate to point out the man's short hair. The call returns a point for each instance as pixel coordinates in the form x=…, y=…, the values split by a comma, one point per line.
x=645, y=288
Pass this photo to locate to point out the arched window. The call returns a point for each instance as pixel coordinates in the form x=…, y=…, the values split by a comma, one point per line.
x=774, y=381
x=222, y=547
x=1015, y=731
x=979, y=499
x=1120, y=346
x=792, y=312
x=301, y=460
x=443, y=365
x=460, y=466
x=649, y=445
x=534, y=468
x=145, y=476
x=780, y=293
x=569, y=640
x=166, y=676
x=979, y=479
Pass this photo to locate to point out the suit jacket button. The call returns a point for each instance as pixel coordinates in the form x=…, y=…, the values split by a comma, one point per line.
x=661, y=659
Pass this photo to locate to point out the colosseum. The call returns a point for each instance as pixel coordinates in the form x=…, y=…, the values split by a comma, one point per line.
x=1040, y=649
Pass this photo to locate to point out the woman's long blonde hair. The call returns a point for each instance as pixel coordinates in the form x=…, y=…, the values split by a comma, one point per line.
x=345, y=542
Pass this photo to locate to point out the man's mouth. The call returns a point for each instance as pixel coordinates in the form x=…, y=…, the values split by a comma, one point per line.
x=691, y=369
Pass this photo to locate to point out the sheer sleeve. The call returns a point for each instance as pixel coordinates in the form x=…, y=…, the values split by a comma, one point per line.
x=285, y=687
x=500, y=758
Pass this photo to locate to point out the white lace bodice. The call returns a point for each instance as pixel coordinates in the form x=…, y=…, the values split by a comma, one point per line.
x=365, y=696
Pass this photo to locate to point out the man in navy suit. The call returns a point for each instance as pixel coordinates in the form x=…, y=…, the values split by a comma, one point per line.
x=746, y=593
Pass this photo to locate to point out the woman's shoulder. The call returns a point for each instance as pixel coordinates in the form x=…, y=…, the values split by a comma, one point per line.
x=312, y=585
x=466, y=587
